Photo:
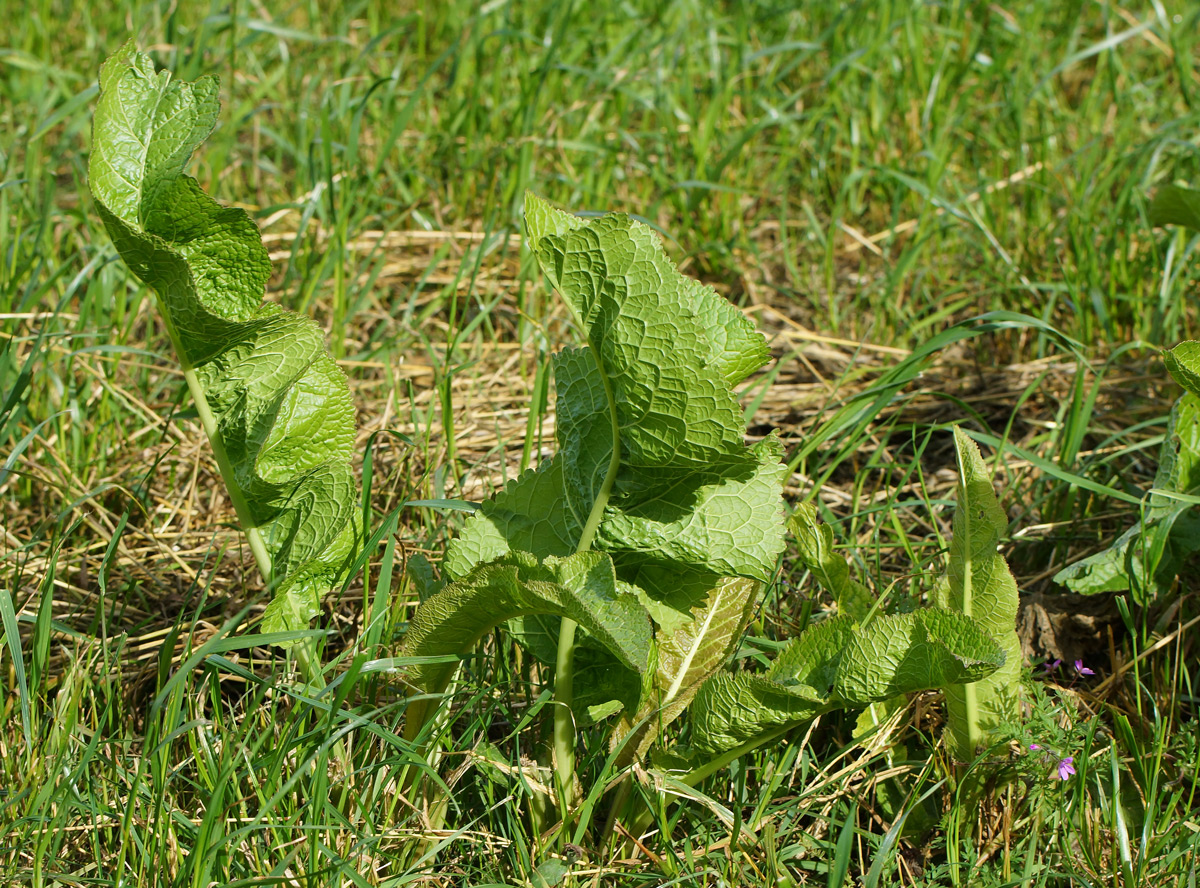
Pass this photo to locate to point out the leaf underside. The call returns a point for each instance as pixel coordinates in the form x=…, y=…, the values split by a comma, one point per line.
x=280, y=407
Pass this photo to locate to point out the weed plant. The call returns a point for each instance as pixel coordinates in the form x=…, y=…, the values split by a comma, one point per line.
x=937, y=212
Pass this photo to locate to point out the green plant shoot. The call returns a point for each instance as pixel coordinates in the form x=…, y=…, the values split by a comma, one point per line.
x=636, y=554
x=275, y=406
x=979, y=585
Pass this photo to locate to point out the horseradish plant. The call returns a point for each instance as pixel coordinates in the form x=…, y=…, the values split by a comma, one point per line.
x=630, y=562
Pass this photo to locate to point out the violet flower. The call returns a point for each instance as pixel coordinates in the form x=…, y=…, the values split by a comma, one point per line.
x=1066, y=768
x=1081, y=669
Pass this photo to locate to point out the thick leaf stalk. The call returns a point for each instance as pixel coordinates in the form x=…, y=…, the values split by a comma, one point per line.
x=275, y=406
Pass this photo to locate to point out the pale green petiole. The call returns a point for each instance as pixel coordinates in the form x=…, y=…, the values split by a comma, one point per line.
x=564, y=671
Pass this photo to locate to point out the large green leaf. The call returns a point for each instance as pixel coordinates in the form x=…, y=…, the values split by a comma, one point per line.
x=979, y=584
x=1183, y=363
x=274, y=404
x=733, y=709
x=655, y=384
x=530, y=514
x=837, y=664
x=726, y=519
x=581, y=587
x=929, y=648
x=652, y=467
x=1148, y=556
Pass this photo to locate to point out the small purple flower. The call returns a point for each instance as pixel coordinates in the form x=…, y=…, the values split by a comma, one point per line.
x=1052, y=665
x=1066, y=768
x=1081, y=669
x=1033, y=746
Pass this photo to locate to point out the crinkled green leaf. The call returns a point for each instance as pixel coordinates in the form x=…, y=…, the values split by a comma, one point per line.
x=275, y=405
x=837, y=664
x=1148, y=556
x=1173, y=205
x=808, y=665
x=815, y=546
x=673, y=405
x=980, y=585
x=663, y=354
x=530, y=514
x=1183, y=363
x=732, y=709
x=727, y=520
x=651, y=456
x=902, y=653
x=732, y=345
x=581, y=587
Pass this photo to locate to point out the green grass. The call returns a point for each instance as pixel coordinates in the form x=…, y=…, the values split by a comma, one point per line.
x=997, y=159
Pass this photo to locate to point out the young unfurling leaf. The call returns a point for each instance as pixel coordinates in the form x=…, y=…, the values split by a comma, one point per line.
x=979, y=584
x=275, y=406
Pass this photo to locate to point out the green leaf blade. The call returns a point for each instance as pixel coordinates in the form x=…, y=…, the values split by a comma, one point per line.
x=531, y=514
x=979, y=584
x=733, y=709
x=903, y=653
x=727, y=519
x=1183, y=363
x=275, y=406
x=1173, y=205
x=646, y=327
